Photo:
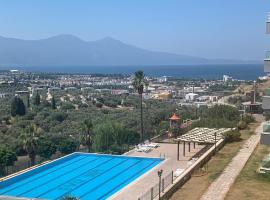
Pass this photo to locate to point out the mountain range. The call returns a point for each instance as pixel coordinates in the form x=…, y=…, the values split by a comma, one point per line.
x=69, y=50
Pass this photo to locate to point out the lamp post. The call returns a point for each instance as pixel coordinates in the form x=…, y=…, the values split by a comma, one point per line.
x=159, y=176
x=215, y=142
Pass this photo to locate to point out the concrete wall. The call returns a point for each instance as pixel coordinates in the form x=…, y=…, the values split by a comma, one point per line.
x=266, y=102
x=267, y=66
x=265, y=138
x=186, y=175
x=268, y=27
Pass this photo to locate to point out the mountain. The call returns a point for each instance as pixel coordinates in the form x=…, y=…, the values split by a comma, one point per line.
x=69, y=50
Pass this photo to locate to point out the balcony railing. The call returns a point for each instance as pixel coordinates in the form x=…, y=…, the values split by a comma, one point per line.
x=268, y=24
x=267, y=62
x=267, y=55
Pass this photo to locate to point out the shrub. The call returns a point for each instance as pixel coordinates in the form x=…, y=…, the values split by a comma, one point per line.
x=242, y=125
x=232, y=136
x=46, y=149
x=99, y=105
x=67, y=146
x=59, y=116
x=248, y=118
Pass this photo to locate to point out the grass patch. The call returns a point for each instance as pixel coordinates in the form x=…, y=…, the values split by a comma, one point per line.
x=219, y=162
x=249, y=184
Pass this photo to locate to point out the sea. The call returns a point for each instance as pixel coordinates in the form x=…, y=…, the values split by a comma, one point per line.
x=237, y=71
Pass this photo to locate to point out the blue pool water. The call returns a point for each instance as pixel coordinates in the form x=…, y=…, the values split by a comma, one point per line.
x=87, y=176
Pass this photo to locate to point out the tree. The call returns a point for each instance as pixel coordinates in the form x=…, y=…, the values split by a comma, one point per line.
x=46, y=148
x=17, y=107
x=138, y=85
x=53, y=103
x=30, y=139
x=37, y=99
x=67, y=146
x=87, y=134
x=103, y=136
x=111, y=136
x=7, y=158
x=28, y=101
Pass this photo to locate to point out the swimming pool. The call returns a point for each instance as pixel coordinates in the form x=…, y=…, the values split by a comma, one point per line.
x=86, y=176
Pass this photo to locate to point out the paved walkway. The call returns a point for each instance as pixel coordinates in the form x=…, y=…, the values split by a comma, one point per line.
x=219, y=188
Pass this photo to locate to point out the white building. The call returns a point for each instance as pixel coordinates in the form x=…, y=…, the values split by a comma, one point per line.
x=191, y=96
x=227, y=78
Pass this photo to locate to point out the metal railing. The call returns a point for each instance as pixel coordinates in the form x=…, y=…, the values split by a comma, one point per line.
x=166, y=181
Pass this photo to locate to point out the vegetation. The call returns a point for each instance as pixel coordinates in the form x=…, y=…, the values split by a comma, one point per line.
x=87, y=134
x=219, y=116
x=37, y=99
x=67, y=146
x=224, y=86
x=53, y=103
x=30, y=140
x=249, y=184
x=138, y=85
x=232, y=136
x=7, y=158
x=46, y=148
x=101, y=122
x=17, y=107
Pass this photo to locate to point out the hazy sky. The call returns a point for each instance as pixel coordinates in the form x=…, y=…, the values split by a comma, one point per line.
x=205, y=28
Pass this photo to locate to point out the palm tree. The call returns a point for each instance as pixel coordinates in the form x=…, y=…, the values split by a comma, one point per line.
x=138, y=85
x=30, y=139
x=87, y=134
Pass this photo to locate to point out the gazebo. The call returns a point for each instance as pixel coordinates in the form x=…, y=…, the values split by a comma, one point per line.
x=174, y=122
x=174, y=119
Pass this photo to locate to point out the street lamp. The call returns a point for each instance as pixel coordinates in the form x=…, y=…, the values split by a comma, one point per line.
x=215, y=142
x=159, y=176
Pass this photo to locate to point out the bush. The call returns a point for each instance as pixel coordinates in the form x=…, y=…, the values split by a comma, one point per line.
x=46, y=149
x=67, y=146
x=99, y=105
x=248, y=118
x=242, y=125
x=111, y=103
x=67, y=106
x=59, y=116
x=232, y=136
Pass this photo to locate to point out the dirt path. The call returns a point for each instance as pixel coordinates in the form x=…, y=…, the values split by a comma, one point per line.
x=219, y=188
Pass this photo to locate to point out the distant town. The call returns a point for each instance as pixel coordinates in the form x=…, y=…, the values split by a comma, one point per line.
x=72, y=88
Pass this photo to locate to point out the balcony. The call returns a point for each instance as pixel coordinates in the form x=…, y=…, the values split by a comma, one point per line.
x=268, y=24
x=267, y=62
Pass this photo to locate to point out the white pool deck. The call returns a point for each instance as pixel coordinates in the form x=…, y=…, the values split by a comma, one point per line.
x=144, y=183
